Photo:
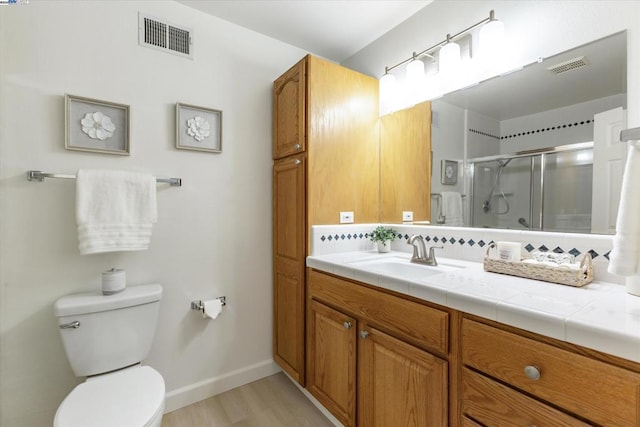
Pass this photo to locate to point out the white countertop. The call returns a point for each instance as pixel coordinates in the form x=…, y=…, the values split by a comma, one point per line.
x=601, y=316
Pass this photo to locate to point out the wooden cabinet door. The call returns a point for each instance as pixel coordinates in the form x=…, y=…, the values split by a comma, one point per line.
x=289, y=264
x=405, y=164
x=289, y=120
x=331, y=368
x=399, y=384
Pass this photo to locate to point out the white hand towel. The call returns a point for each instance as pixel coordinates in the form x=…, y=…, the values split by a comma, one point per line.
x=452, y=208
x=115, y=210
x=625, y=255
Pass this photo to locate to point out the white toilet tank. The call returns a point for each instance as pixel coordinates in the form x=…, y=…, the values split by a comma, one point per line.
x=102, y=333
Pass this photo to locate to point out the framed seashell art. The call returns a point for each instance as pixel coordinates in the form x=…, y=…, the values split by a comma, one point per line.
x=96, y=126
x=198, y=128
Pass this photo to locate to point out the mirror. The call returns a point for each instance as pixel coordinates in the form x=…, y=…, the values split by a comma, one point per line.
x=504, y=133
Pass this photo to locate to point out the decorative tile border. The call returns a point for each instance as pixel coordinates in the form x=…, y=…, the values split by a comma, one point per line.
x=529, y=247
x=531, y=132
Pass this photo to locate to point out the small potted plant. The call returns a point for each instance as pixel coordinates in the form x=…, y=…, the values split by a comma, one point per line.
x=383, y=236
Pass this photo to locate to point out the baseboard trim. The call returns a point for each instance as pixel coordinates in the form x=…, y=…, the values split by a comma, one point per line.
x=201, y=390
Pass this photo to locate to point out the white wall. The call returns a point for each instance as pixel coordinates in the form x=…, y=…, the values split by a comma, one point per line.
x=214, y=233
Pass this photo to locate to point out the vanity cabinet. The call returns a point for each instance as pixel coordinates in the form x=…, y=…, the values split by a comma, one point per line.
x=512, y=379
x=326, y=160
x=374, y=358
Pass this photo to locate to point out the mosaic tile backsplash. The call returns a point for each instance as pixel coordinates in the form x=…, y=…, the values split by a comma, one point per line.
x=469, y=244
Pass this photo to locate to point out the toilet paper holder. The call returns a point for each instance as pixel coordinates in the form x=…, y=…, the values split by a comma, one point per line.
x=197, y=305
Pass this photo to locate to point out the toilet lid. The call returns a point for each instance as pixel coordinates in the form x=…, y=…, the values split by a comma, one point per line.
x=128, y=398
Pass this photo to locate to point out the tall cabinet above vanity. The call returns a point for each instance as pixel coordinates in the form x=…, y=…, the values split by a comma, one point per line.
x=333, y=153
x=326, y=161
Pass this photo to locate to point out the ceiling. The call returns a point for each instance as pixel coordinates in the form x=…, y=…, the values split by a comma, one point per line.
x=333, y=29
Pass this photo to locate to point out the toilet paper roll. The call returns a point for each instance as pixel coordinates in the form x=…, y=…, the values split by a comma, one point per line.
x=113, y=281
x=211, y=308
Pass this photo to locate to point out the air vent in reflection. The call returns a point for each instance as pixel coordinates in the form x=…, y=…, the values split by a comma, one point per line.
x=569, y=65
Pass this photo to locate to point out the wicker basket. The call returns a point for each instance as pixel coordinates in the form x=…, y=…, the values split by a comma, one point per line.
x=561, y=275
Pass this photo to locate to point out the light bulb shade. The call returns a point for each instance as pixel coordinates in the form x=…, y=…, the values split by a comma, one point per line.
x=415, y=71
x=491, y=38
x=388, y=93
x=449, y=57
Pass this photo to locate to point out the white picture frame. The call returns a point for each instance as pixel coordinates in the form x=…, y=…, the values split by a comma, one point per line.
x=198, y=128
x=96, y=126
x=449, y=172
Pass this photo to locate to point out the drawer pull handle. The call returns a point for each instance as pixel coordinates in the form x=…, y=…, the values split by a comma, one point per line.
x=364, y=334
x=532, y=372
x=297, y=161
x=297, y=146
x=347, y=325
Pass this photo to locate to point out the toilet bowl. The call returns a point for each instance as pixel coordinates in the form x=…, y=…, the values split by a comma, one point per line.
x=133, y=397
x=105, y=338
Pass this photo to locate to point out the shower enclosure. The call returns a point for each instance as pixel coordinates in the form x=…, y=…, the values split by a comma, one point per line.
x=548, y=189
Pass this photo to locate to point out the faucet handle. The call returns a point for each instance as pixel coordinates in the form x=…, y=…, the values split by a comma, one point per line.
x=432, y=255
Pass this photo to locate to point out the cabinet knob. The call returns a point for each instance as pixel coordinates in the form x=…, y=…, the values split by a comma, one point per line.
x=532, y=372
x=347, y=325
x=297, y=146
x=297, y=161
x=364, y=334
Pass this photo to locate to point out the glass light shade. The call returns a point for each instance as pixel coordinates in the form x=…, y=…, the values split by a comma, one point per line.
x=491, y=38
x=415, y=71
x=388, y=93
x=449, y=57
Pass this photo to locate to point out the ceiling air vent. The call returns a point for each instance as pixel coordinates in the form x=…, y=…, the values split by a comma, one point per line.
x=164, y=36
x=569, y=65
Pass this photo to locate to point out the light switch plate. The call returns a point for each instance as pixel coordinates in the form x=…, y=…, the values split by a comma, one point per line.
x=407, y=216
x=346, y=217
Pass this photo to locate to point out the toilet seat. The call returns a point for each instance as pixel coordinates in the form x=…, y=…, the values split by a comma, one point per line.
x=132, y=397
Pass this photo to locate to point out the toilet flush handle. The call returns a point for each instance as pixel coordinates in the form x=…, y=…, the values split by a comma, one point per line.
x=72, y=325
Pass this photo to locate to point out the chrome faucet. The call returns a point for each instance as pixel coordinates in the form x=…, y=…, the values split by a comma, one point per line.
x=420, y=251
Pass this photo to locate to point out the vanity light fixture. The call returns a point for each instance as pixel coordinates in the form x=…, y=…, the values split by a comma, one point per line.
x=448, y=52
x=491, y=37
x=415, y=69
x=449, y=56
x=388, y=92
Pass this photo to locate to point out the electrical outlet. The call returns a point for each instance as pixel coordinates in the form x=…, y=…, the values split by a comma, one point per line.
x=407, y=216
x=346, y=217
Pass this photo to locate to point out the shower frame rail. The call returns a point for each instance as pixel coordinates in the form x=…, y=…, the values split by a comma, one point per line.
x=34, y=175
x=625, y=135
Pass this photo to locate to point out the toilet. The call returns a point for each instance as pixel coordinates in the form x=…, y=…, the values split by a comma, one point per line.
x=105, y=338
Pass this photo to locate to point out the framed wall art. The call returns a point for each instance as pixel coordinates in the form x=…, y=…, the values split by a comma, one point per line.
x=96, y=126
x=449, y=172
x=198, y=128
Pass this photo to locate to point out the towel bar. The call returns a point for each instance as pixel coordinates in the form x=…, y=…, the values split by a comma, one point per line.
x=34, y=175
x=630, y=135
x=440, y=195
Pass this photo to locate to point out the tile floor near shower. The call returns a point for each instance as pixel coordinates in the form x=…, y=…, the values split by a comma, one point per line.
x=270, y=402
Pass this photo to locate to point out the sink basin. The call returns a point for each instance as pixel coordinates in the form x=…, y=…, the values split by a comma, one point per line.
x=403, y=268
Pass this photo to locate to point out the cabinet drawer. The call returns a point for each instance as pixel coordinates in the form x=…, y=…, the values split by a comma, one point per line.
x=424, y=326
x=594, y=390
x=493, y=404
